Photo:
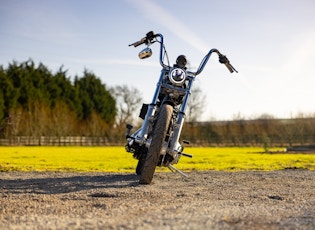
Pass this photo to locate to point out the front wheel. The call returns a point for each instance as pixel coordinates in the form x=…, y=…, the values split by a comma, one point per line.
x=158, y=137
x=140, y=165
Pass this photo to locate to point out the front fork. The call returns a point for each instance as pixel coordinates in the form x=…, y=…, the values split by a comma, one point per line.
x=175, y=148
x=141, y=135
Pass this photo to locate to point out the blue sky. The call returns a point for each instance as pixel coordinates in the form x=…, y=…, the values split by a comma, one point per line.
x=271, y=43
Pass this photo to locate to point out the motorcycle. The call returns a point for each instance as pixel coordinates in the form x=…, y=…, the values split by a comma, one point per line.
x=156, y=142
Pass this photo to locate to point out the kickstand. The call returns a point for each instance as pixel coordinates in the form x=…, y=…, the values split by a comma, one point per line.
x=173, y=169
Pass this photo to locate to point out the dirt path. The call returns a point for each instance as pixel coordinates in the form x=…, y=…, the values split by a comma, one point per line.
x=215, y=200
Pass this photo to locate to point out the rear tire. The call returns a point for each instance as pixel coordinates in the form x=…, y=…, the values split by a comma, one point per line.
x=158, y=137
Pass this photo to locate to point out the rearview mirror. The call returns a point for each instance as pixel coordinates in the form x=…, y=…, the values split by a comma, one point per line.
x=145, y=53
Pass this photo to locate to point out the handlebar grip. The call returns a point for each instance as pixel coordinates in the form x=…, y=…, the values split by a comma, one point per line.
x=138, y=43
x=229, y=67
x=232, y=69
x=224, y=60
x=149, y=36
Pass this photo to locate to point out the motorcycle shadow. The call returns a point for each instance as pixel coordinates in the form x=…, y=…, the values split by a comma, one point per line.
x=55, y=183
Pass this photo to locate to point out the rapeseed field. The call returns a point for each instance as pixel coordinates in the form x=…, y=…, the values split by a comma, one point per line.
x=115, y=159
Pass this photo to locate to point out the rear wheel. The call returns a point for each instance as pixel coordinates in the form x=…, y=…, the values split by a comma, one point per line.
x=158, y=137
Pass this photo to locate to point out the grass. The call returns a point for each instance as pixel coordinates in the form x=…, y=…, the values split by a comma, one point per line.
x=115, y=159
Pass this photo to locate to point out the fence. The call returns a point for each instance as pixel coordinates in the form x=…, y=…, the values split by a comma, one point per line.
x=55, y=141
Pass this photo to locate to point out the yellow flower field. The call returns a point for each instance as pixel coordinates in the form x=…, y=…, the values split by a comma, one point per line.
x=115, y=159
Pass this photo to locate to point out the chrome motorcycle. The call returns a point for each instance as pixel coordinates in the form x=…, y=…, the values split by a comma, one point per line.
x=157, y=141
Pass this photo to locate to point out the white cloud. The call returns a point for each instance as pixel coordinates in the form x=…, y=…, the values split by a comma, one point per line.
x=161, y=16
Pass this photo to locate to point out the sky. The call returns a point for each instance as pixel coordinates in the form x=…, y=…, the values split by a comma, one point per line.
x=271, y=43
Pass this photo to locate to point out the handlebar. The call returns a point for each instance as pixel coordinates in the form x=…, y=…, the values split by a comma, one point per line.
x=149, y=38
x=222, y=59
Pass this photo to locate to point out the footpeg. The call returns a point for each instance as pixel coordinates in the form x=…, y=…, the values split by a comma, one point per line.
x=186, y=142
x=186, y=155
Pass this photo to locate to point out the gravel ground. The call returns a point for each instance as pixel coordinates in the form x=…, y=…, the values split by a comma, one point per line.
x=212, y=200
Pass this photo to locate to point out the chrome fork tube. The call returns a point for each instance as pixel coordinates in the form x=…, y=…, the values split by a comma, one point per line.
x=180, y=120
x=143, y=134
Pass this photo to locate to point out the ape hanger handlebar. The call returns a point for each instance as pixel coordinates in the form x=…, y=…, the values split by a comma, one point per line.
x=151, y=37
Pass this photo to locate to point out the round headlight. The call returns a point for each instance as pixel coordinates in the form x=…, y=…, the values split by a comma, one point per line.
x=177, y=76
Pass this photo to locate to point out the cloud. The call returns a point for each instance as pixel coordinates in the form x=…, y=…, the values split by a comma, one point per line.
x=161, y=16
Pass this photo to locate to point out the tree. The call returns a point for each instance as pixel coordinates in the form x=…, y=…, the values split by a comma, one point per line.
x=60, y=88
x=196, y=105
x=3, y=80
x=128, y=101
x=41, y=103
x=93, y=96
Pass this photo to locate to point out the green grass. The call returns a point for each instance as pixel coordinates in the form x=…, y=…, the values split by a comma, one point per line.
x=115, y=159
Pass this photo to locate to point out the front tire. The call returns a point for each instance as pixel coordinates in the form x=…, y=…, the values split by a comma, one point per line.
x=140, y=165
x=158, y=137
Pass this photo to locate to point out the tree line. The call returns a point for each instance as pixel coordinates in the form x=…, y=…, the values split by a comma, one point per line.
x=264, y=131
x=34, y=102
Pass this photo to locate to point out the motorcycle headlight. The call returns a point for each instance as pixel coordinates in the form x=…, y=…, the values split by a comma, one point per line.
x=177, y=76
